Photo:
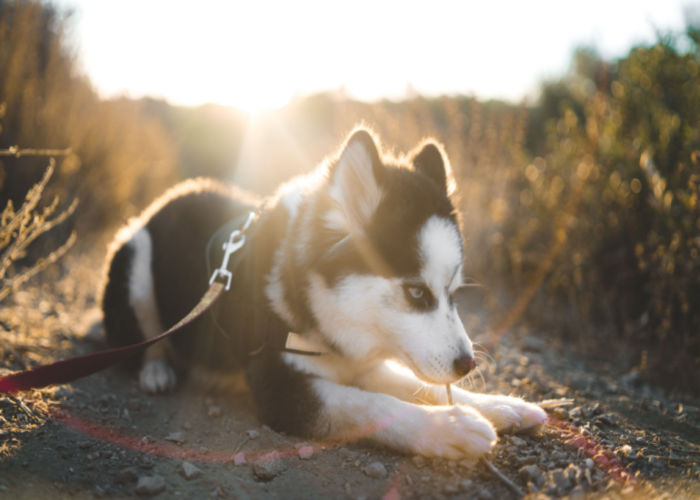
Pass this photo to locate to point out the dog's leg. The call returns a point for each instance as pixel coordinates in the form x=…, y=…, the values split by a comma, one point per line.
x=439, y=431
x=156, y=375
x=503, y=411
x=400, y=382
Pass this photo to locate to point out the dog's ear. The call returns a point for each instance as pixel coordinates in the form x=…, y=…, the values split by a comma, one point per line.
x=430, y=159
x=356, y=179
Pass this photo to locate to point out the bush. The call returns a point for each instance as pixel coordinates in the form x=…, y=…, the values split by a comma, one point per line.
x=611, y=209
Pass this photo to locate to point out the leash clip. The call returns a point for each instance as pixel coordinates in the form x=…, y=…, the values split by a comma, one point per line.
x=235, y=242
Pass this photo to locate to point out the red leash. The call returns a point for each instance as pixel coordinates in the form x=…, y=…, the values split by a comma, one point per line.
x=71, y=369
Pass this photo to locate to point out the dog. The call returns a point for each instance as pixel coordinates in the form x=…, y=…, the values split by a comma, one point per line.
x=361, y=259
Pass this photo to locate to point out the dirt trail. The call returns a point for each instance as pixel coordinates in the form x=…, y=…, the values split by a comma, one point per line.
x=100, y=437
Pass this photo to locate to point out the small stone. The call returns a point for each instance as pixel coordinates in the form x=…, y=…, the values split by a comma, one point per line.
x=305, y=452
x=214, y=411
x=268, y=468
x=466, y=485
x=561, y=413
x=559, y=481
x=625, y=449
x=483, y=494
x=376, y=470
x=176, y=437
x=527, y=460
x=532, y=473
x=239, y=458
x=126, y=475
x=517, y=441
x=150, y=485
x=450, y=489
x=190, y=471
x=588, y=463
x=252, y=433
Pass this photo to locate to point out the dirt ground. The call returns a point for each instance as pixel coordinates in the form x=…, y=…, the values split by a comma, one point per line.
x=101, y=437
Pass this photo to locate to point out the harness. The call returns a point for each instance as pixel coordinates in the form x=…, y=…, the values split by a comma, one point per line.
x=68, y=370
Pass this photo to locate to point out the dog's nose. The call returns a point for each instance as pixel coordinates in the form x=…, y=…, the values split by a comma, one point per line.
x=464, y=364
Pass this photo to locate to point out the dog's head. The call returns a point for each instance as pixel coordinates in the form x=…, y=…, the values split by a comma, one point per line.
x=392, y=260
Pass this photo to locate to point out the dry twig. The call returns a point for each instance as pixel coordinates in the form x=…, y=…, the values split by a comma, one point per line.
x=19, y=229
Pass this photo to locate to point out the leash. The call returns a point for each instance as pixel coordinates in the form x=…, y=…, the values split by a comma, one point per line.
x=77, y=367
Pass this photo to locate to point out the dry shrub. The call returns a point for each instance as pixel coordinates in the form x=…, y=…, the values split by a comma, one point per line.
x=20, y=228
x=120, y=159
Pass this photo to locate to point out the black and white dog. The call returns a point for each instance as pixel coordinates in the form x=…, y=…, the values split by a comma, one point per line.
x=361, y=259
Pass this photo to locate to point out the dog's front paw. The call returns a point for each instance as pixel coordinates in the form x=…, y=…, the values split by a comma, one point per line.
x=156, y=376
x=450, y=432
x=506, y=412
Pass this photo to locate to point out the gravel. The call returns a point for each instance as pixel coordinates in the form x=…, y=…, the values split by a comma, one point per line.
x=190, y=471
x=376, y=470
x=150, y=485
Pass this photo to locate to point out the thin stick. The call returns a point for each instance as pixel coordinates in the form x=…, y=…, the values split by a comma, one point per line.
x=448, y=388
x=516, y=489
x=18, y=152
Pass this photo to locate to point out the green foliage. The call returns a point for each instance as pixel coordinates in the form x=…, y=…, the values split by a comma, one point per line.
x=614, y=200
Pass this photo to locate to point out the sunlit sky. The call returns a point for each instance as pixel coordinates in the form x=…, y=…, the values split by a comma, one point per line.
x=258, y=54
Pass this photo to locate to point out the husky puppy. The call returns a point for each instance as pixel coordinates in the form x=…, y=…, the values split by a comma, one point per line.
x=361, y=258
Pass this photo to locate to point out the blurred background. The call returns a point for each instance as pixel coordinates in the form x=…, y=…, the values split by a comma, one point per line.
x=573, y=130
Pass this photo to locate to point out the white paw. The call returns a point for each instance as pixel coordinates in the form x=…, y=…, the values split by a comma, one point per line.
x=452, y=432
x=506, y=412
x=156, y=376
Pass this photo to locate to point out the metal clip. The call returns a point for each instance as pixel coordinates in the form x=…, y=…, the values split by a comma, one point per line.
x=235, y=242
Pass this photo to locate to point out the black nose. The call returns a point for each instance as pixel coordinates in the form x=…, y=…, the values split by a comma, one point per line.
x=464, y=364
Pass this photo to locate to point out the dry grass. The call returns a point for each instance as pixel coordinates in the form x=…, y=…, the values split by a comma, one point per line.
x=20, y=228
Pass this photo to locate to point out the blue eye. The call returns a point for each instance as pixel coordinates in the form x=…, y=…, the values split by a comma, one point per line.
x=419, y=296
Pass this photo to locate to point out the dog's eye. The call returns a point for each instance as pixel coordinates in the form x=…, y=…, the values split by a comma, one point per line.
x=419, y=296
x=416, y=292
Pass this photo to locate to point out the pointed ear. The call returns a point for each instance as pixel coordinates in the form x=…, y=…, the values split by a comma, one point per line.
x=356, y=178
x=430, y=159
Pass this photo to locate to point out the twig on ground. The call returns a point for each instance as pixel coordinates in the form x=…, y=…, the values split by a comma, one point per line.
x=549, y=404
x=18, y=152
x=514, y=487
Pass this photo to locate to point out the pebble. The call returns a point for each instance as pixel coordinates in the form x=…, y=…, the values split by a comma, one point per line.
x=588, y=463
x=559, y=482
x=532, y=473
x=176, y=437
x=451, y=489
x=376, y=470
x=190, y=471
x=150, y=485
x=239, y=458
x=252, y=433
x=483, y=494
x=517, y=441
x=466, y=485
x=268, y=468
x=305, y=452
x=126, y=475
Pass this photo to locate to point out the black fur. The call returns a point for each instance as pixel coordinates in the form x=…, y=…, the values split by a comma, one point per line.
x=121, y=326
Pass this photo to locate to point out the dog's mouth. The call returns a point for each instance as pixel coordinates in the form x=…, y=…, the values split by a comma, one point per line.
x=448, y=378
